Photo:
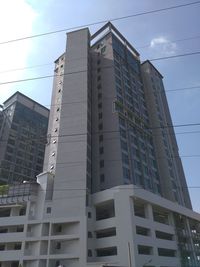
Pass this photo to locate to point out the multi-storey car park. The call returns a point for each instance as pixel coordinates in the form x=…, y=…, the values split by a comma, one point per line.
x=113, y=190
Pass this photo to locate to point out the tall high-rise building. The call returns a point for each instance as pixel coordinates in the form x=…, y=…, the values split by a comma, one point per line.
x=120, y=105
x=23, y=130
x=113, y=190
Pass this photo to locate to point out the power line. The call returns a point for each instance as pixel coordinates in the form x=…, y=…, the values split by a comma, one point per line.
x=110, y=131
x=75, y=72
x=85, y=101
x=29, y=67
x=131, y=159
x=79, y=163
x=48, y=64
x=101, y=132
x=174, y=126
x=175, y=56
x=35, y=66
x=102, y=21
x=29, y=79
x=182, y=89
x=172, y=41
x=81, y=140
x=119, y=187
x=160, y=91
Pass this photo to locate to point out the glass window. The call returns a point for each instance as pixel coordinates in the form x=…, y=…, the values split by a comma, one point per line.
x=101, y=163
x=120, y=99
x=103, y=49
x=106, y=252
x=48, y=209
x=10, y=150
x=100, y=138
x=117, y=72
x=100, y=115
x=125, y=158
x=118, y=107
x=126, y=173
x=101, y=150
x=102, y=178
x=124, y=145
x=145, y=250
x=117, y=64
x=118, y=81
x=89, y=253
x=122, y=122
x=119, y=90
x=118, y=47
x=99, y=95
x=101, y=126
x=122, y=133
x=100, y=105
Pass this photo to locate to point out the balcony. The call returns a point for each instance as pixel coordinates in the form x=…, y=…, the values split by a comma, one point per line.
x=106, y=242
x=19, y=193
x=10, y=255
x=12, y=220
x=105, y=210
x=11, y=237
x=68, y=247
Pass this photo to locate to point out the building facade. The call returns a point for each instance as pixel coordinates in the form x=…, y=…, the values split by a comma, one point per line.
x=23, y=130
x=122, y=227
x=124, y=106
x=113, y=190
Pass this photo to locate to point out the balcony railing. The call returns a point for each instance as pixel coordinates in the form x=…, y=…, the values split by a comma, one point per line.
x=17, y=193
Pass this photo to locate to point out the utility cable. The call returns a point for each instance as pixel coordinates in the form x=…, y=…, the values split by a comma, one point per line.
x=116, y=188
x=106, y=131
x=102, y=21
x=29, y=67
x=104, y=97
x=105, y=67
x=175, y=56
x=48, y=64
x=82, y=162
x=181, y=89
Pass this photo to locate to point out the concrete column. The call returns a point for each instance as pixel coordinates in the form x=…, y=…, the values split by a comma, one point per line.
x=149, y=212
x=124, y=224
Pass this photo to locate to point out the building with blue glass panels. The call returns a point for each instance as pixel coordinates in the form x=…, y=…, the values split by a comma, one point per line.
x=132, y=143
x=23, y=132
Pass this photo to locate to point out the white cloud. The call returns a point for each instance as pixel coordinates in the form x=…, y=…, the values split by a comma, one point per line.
x=157, y=41
x=163, y=46
x=16, y=20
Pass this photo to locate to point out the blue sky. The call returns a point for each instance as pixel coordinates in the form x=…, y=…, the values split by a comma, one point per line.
x=154, y=35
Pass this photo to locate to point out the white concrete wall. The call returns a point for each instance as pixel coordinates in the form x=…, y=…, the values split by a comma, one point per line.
x=39, y=244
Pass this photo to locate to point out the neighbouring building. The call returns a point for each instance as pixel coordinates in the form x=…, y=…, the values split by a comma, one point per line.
x=112, y=191
x=23, y=131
